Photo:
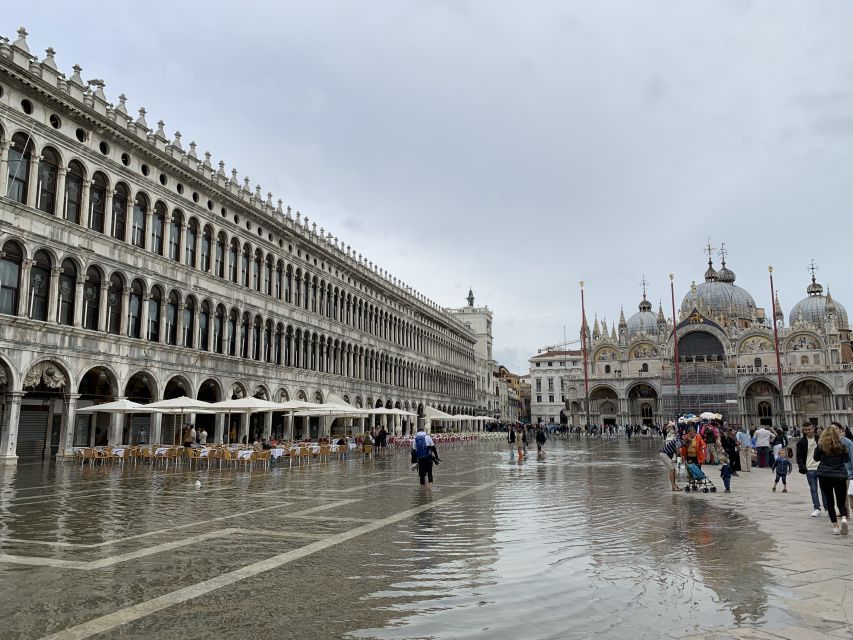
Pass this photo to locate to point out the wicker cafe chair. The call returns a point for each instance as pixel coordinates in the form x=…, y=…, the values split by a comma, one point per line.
x=325, y=450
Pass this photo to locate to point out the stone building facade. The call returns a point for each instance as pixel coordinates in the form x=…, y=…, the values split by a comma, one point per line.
x=131, y=267
x=727, y=360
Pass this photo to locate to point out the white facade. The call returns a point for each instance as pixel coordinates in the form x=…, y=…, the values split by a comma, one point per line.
x=550, y=376
x=130, y=267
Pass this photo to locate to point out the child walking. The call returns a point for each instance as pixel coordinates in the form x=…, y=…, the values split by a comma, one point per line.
x=726, y=473
x=783, y=468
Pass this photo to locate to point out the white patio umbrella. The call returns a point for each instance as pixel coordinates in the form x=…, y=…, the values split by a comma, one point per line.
x=119, y=406
x=182, y=405
x=244, y=405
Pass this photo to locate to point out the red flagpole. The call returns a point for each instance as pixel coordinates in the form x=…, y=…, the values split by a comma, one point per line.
x=583, y=347
x=675, y=344
x=775, y=333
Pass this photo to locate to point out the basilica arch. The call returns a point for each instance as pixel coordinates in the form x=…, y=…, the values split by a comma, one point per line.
x=643, y=405
x=761, y=403
x=811, y=401
x=603, y=406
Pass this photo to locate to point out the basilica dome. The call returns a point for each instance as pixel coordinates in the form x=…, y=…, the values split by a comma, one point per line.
x=643, y=321
x=815, y=306
x=719, y=297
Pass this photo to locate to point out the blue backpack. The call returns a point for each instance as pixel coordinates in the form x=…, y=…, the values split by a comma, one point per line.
x=421, y=447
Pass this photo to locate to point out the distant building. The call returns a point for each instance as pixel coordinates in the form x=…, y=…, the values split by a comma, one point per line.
x=551, y=376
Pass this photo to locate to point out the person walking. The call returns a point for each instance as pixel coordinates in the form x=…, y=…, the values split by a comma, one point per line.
x=807, y=465
x=424, y=454
x=763, y=437
x=783, y=468
x=381, y=441
x=847, y=441
x=832, y=457
x=540, y=441
x=519, y=444
x=744, y=443
x=726, y=473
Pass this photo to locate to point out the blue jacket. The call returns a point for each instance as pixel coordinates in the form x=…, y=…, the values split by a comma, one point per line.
x=849, y=464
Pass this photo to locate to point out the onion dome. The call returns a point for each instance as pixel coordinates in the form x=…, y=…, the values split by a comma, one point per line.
x=725, y=274
x=644, y=321
x=719, y=297
x=816, y=307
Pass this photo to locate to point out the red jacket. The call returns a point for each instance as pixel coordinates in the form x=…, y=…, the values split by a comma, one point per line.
x=701, y=449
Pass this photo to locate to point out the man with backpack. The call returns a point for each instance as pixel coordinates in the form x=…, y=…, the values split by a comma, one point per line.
x=424, y=454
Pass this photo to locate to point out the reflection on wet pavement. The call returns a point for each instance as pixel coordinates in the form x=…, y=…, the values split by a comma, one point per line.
x=587, y=540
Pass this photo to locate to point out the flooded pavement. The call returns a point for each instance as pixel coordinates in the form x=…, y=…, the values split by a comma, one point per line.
x=585, y=541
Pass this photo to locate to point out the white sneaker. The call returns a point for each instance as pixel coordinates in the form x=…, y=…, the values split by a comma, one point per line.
x=843, y=526
x=835, y=530
x=815, y=513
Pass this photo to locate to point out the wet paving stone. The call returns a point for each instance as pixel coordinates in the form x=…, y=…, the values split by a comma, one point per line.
x=587, y=540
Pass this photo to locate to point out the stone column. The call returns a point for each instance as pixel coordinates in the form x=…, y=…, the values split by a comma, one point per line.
x=24, y=298
x=4, y=166
x=32, y=185
x=289, y=433
x=179, y=325
x=59, y=207
x=53, y=300
x=149, y=227
x=244, y=428
x=197, y=330
x=9, y=438
x=102, y=308
x=108, y=211
x=85, y=206
x=267, y=424
x=163, y=304
x=69, y=419
x=128, y=221
x=219, y=429
x=144, y=316
x=124, y=311
x=78, y=300
x=156, y=428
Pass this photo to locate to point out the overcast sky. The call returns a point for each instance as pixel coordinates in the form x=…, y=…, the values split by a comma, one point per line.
x=516, y=147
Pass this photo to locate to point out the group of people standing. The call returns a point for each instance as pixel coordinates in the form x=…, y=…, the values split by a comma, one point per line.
x=518, y=439
x=825, y=457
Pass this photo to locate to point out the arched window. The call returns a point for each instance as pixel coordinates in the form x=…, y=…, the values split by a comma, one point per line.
x=279, y=280
x=607, y=368
x=268, y=341
x=221, y=243
x=158, y=225
x=48, y=171
x=74, y=191
x=288, y=283
x=206, y=240
x=140, y=210
x=232, y=333
x=268, y=276
x=39, y=286
x=114, y=299
x=18, y=180
x=10, y=275
x=804, y=360
x=644, y=367
x=297, y=288
x=757, y=363
x=119, y=211
x=67, y=292
x=154, y=304
x=307, y=285
x=288, y=347
x=191, y=242
x=172, y=319
x=98, y=202
x=245, y=265
x=314, y=295
x=233, y=260
x=92, y=299
x=244, y=336
x=278, y=338
x=134, y=311
x=256, y=339
x=219, y=329
x=175, y=236
x=765, y=409
x=256, y=278
x=204, y=326
x=189, y=322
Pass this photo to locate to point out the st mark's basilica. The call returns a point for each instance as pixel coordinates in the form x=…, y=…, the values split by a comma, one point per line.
x=726, y=356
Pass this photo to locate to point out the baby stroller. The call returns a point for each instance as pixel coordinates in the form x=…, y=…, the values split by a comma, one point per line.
x=697, y=479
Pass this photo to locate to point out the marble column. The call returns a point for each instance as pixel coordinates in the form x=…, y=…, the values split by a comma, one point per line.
x=102, y=308
x=267, y=424
x=4, y=166
x=219, y=429
x=179, y=322
x=53, y=300
x=109, y=225
x=32, y=184
x=9, y=437
x=85, y=206
x=124, y=311
x=61, y=196
x=156, y=427
x=66, y=430
x=78, y=300
x=24, y=300
x=144, y=316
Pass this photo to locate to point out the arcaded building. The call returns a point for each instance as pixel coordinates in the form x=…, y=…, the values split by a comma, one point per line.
x=131, y=266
